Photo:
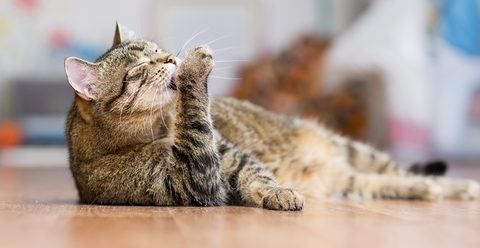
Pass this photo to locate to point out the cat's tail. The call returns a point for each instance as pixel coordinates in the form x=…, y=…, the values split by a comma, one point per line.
x=434, y=168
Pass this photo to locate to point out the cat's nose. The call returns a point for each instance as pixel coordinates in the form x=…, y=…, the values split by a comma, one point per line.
x=170, y=59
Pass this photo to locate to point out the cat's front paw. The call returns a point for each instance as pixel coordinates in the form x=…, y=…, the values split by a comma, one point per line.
x=283, y=199
x=197, y=63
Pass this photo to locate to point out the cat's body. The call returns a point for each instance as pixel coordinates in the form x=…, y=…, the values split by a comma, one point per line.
x=143, y=130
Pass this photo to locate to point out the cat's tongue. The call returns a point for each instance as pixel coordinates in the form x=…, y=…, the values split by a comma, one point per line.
x=172, y=85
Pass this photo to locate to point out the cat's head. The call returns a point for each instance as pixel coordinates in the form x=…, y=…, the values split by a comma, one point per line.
x=133, y=82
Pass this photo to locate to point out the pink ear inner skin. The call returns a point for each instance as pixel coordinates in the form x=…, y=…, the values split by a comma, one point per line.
x=77, y=73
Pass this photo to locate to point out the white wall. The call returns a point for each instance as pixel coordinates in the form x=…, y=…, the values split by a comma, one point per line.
x=35, y=38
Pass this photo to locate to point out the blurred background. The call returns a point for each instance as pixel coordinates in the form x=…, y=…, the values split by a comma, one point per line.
x=403, y=75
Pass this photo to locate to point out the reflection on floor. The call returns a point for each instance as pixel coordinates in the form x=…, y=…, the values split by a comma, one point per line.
x=38, y=208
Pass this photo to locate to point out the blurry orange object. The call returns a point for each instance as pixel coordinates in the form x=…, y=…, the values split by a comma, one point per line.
x=11, y=133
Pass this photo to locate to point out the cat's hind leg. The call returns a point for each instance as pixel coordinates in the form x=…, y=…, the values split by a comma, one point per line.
x=463, y=189
x=328, y=159
x=365, y=158
x=335, y=177
x=251, y=184
x=316, y=139
x=372, y=185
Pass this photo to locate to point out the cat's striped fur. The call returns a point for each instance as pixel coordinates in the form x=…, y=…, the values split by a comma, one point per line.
x=143, y=130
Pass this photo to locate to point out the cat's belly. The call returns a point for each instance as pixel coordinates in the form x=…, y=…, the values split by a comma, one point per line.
x=299, y=153
x=253, y=128
x=272, y=137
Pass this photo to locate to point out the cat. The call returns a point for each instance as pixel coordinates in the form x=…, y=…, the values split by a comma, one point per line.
x=143, y=130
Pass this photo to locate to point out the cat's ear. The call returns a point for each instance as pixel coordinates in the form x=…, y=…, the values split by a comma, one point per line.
x=83, y=77
x=122, y=34
x=118, y=36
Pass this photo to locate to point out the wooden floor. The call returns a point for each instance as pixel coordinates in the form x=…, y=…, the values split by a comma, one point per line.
x=38, y=209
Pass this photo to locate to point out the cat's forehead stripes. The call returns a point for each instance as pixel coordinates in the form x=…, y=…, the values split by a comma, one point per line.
x=129, y=52
x=141, y=47
x=137, y=47
x=142, y=50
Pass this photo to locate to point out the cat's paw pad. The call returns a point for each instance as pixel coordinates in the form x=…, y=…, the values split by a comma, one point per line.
x=204, y=56
x=204, y=53
x=470, y=191
x=283, y=199
x=198, y=61
x=426, y=190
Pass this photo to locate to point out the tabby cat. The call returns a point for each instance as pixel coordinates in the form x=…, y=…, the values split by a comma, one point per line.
x=143, y=130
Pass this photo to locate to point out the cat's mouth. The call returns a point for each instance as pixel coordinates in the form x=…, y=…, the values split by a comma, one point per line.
x=172, y=85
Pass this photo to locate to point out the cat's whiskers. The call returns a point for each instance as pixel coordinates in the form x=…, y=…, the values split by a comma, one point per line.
x=140, y=98
x=215, y=40
x=152, y=35
x=153, y=83
x=161, y=112
x=170, y=99
x=231, y=61
x=162, y=40
x=229, y=78
x=190, y=39
x=165, y=85
x=116, y=105
x=131, y=81
x=222, y=68
x=151, y=114
x=128, y=99
x=218, y=51
x=120, y=101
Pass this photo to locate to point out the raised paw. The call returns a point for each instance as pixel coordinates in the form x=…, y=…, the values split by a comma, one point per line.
x=283, y=199
x=197, y=63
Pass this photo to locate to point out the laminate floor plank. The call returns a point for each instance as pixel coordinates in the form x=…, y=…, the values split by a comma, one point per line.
x=38, y=208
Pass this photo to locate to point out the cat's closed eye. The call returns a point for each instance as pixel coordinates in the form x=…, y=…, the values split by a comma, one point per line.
x=143, y=62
